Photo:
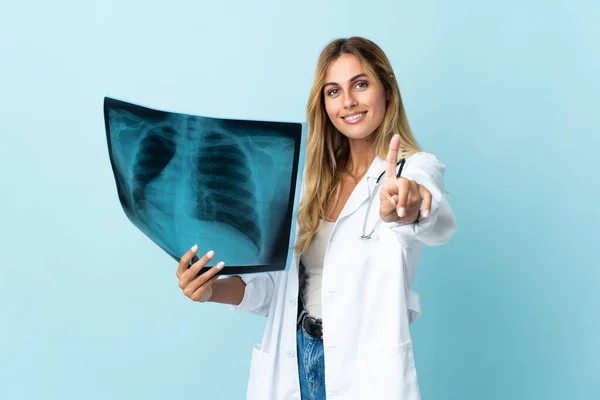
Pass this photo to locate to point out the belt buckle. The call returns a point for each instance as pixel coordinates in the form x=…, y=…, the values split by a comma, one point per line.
x=313, y=327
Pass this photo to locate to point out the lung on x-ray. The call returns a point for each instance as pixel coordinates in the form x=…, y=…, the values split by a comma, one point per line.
x=229, y=185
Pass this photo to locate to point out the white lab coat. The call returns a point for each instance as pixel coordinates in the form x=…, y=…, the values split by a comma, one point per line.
x=367, y=299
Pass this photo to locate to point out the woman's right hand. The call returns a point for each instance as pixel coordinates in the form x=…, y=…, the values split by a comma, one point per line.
x=197, y=288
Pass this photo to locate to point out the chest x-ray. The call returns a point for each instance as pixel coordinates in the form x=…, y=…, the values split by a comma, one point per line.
x=227, y=185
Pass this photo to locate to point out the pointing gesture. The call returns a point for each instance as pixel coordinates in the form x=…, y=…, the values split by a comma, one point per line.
x=401, y=198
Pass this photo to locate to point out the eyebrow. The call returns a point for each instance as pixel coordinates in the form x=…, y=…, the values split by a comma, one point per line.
x=363, y=75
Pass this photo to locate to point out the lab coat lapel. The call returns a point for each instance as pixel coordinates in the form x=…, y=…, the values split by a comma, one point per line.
x=361, y=192
x=359, y=195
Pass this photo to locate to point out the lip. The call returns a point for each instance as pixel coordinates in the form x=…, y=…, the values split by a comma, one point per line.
x=354, y=121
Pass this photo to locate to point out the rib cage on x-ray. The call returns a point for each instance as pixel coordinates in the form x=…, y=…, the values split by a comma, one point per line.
x=221, y=176
x=226, y=187
x=222, y=184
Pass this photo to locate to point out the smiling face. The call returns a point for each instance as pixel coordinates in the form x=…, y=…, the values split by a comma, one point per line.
x=355, y=103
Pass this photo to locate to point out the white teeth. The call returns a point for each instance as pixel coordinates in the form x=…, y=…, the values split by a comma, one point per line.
x=354, y=117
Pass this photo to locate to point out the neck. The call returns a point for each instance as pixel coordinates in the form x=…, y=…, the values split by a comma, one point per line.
x=362, y=154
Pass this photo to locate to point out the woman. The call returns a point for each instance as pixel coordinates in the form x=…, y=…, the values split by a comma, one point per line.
x=338, y=319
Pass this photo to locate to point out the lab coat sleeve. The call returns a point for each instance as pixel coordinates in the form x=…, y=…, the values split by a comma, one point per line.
x=440, y=225
x=257, y=294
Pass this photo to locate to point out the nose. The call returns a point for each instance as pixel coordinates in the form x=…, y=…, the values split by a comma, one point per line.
x=349, y=100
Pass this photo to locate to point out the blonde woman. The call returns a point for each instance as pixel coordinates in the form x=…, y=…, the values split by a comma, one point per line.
x=339, y=319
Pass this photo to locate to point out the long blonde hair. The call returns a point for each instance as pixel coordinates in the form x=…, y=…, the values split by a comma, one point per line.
x=327, y=150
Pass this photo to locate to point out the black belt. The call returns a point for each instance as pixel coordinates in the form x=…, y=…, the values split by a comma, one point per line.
x=312, y=326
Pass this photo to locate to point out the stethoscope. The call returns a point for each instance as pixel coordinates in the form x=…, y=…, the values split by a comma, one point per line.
x=372, y=196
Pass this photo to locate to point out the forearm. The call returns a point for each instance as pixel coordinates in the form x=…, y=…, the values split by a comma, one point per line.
x=228, y=290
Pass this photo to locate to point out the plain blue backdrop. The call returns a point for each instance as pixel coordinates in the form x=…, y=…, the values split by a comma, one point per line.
x=504, y=94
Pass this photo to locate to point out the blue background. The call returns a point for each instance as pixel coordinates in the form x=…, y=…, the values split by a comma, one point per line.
x=505, y=94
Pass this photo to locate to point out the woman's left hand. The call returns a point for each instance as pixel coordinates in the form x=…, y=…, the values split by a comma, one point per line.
x=401, y=198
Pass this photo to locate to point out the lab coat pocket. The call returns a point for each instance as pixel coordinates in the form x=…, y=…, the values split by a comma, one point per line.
x=261, y=375
x=388, y=373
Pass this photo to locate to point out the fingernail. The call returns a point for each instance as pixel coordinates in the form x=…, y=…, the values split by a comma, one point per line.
x=425, y=213
x=220, y=265
x=210, y=254
x=195, y=248
x=393, y=202
x=401, y=212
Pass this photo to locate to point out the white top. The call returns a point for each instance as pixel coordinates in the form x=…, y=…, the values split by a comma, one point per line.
x=313, y=272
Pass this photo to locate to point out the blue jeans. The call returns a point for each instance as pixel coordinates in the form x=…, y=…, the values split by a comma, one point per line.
x=311, y=366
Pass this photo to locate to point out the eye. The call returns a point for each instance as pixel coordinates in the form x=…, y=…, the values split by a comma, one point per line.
x=332, y=92
x=361, y=85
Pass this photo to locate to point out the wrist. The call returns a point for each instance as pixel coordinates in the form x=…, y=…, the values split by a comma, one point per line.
x=229, y=290
x=216, y=288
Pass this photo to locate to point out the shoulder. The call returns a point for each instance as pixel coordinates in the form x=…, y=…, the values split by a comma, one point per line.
x=425, y=167
x=426, y=159
x=420, y=158
x=422, y=161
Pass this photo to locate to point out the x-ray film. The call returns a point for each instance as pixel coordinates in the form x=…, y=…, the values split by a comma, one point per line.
x=228, y=185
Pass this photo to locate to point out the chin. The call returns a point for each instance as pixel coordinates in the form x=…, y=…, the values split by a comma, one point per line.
x=356, y=134
x=358, y=137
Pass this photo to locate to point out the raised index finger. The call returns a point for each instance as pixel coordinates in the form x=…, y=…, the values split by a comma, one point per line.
x=392, y=157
